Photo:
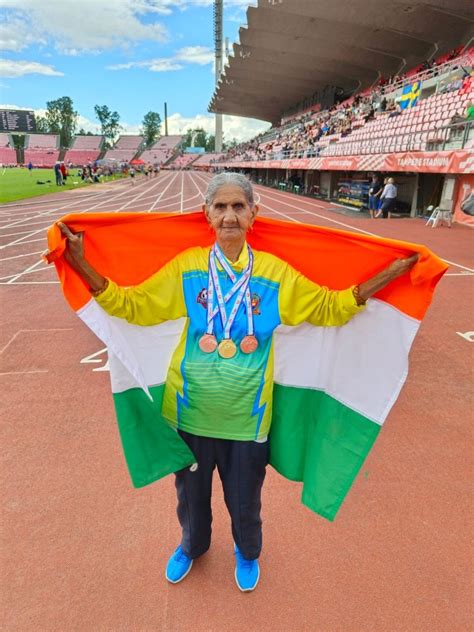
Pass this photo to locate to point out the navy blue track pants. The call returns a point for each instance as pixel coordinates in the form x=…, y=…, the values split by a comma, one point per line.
x=241, y=466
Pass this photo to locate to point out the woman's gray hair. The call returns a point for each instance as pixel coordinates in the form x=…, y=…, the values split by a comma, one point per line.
x=229, y=178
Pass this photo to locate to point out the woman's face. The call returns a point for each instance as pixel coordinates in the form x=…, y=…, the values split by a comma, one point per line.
x=230, y=215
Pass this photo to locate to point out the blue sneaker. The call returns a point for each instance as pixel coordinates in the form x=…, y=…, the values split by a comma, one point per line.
x=247, y=572
x=178, y=566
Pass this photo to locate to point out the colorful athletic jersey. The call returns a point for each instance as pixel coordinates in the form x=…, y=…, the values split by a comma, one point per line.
x=205, y=394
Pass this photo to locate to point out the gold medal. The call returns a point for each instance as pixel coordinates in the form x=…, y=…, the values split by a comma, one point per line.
x=227, y=348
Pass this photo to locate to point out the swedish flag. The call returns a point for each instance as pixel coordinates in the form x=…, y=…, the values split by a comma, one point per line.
x=410, y=95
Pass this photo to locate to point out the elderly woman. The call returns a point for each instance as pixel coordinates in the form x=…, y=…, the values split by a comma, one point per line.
x=218, y=393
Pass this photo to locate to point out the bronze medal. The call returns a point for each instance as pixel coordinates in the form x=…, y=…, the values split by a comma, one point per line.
x=249, y=344
x=208, y=343
x=227, y=348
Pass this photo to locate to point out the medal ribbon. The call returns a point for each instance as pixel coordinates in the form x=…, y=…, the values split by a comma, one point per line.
x=240, y=286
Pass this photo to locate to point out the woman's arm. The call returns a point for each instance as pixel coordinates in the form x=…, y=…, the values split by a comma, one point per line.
x=74, y=255
x=302, y=300
x=380, y=280
x=155, y=300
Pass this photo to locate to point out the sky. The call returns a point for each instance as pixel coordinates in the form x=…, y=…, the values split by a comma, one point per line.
x=131, y=55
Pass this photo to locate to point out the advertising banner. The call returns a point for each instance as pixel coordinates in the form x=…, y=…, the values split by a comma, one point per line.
x=419, y=161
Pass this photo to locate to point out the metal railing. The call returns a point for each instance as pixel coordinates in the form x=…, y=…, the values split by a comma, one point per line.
x=436, y=71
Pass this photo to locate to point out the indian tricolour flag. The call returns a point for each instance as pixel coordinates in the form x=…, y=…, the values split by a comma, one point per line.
x=334, y=386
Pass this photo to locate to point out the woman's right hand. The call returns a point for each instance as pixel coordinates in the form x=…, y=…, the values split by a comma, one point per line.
x=74, y=255
x=74, y=252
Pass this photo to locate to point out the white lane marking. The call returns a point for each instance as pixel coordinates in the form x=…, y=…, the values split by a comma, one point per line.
x=56, y=209
x=360, y=230
x=28, y=254
x=461, y=274
x=458, y=265
x=24, y=372
x=25, y=331
x=15, y=242
x=313, y=214
x=153, y=206
x=32, y=241
x=137, y=197
x=93, y=359
x=182, y=191
x=30, y=283
x=21, y=232
x=467, y=335
x=29, y=270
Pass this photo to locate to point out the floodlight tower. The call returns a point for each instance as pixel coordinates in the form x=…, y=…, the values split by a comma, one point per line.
x=218, y=27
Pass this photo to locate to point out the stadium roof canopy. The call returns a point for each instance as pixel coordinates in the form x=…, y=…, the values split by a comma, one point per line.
x=292, y=48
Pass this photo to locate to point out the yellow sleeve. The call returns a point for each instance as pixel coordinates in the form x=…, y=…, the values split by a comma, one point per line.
x=154, y=301
x=302, y=300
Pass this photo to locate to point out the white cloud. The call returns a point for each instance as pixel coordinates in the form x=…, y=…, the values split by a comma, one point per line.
x=12, y=68
x=155, y=65
x=234, y=126
x=201, y=55
x=15, y=34
x=86, y=25
x=91, y=25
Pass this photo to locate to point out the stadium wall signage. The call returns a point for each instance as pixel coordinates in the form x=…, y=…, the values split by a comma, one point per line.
x=423, y=162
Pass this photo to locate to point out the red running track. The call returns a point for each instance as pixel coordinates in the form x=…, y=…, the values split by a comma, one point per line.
x=82, y=550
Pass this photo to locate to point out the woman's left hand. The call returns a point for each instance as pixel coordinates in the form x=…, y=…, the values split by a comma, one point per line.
x=400, y=266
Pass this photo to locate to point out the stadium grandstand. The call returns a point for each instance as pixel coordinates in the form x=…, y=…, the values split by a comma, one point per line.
x=125, y=149
x=205, y=161
x=84, y=149
x=7, y=153
x=162, y=150
x=42, y=150
x=395, y=97
x=182, y=161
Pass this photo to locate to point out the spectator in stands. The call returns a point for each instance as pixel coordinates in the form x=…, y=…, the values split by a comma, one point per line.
x=370, y=114
x=396, y=111
x=57, y=173
x=382, y=106
x=388, y=198
x=375, y=192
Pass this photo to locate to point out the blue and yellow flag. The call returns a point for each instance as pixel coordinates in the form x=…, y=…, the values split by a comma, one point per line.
x=410, y=95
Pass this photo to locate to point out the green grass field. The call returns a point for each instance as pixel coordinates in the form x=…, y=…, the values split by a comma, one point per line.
x=18, y=183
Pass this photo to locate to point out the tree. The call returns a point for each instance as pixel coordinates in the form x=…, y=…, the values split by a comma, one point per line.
x=230, y=144
x=198, y=138
x=210, y=143
x=82, y=132
x=151, y=127
x=61, y=118
x=42, y=126
x=109, y=123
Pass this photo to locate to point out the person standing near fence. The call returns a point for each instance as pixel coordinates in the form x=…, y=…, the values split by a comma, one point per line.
x=388, y=198
x=375, y=191
x=58, y=174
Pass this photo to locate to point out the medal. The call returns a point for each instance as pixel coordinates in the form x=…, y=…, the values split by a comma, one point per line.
x=240, y=288
x=208, y=343
x=248, y=344
x=227, y=348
